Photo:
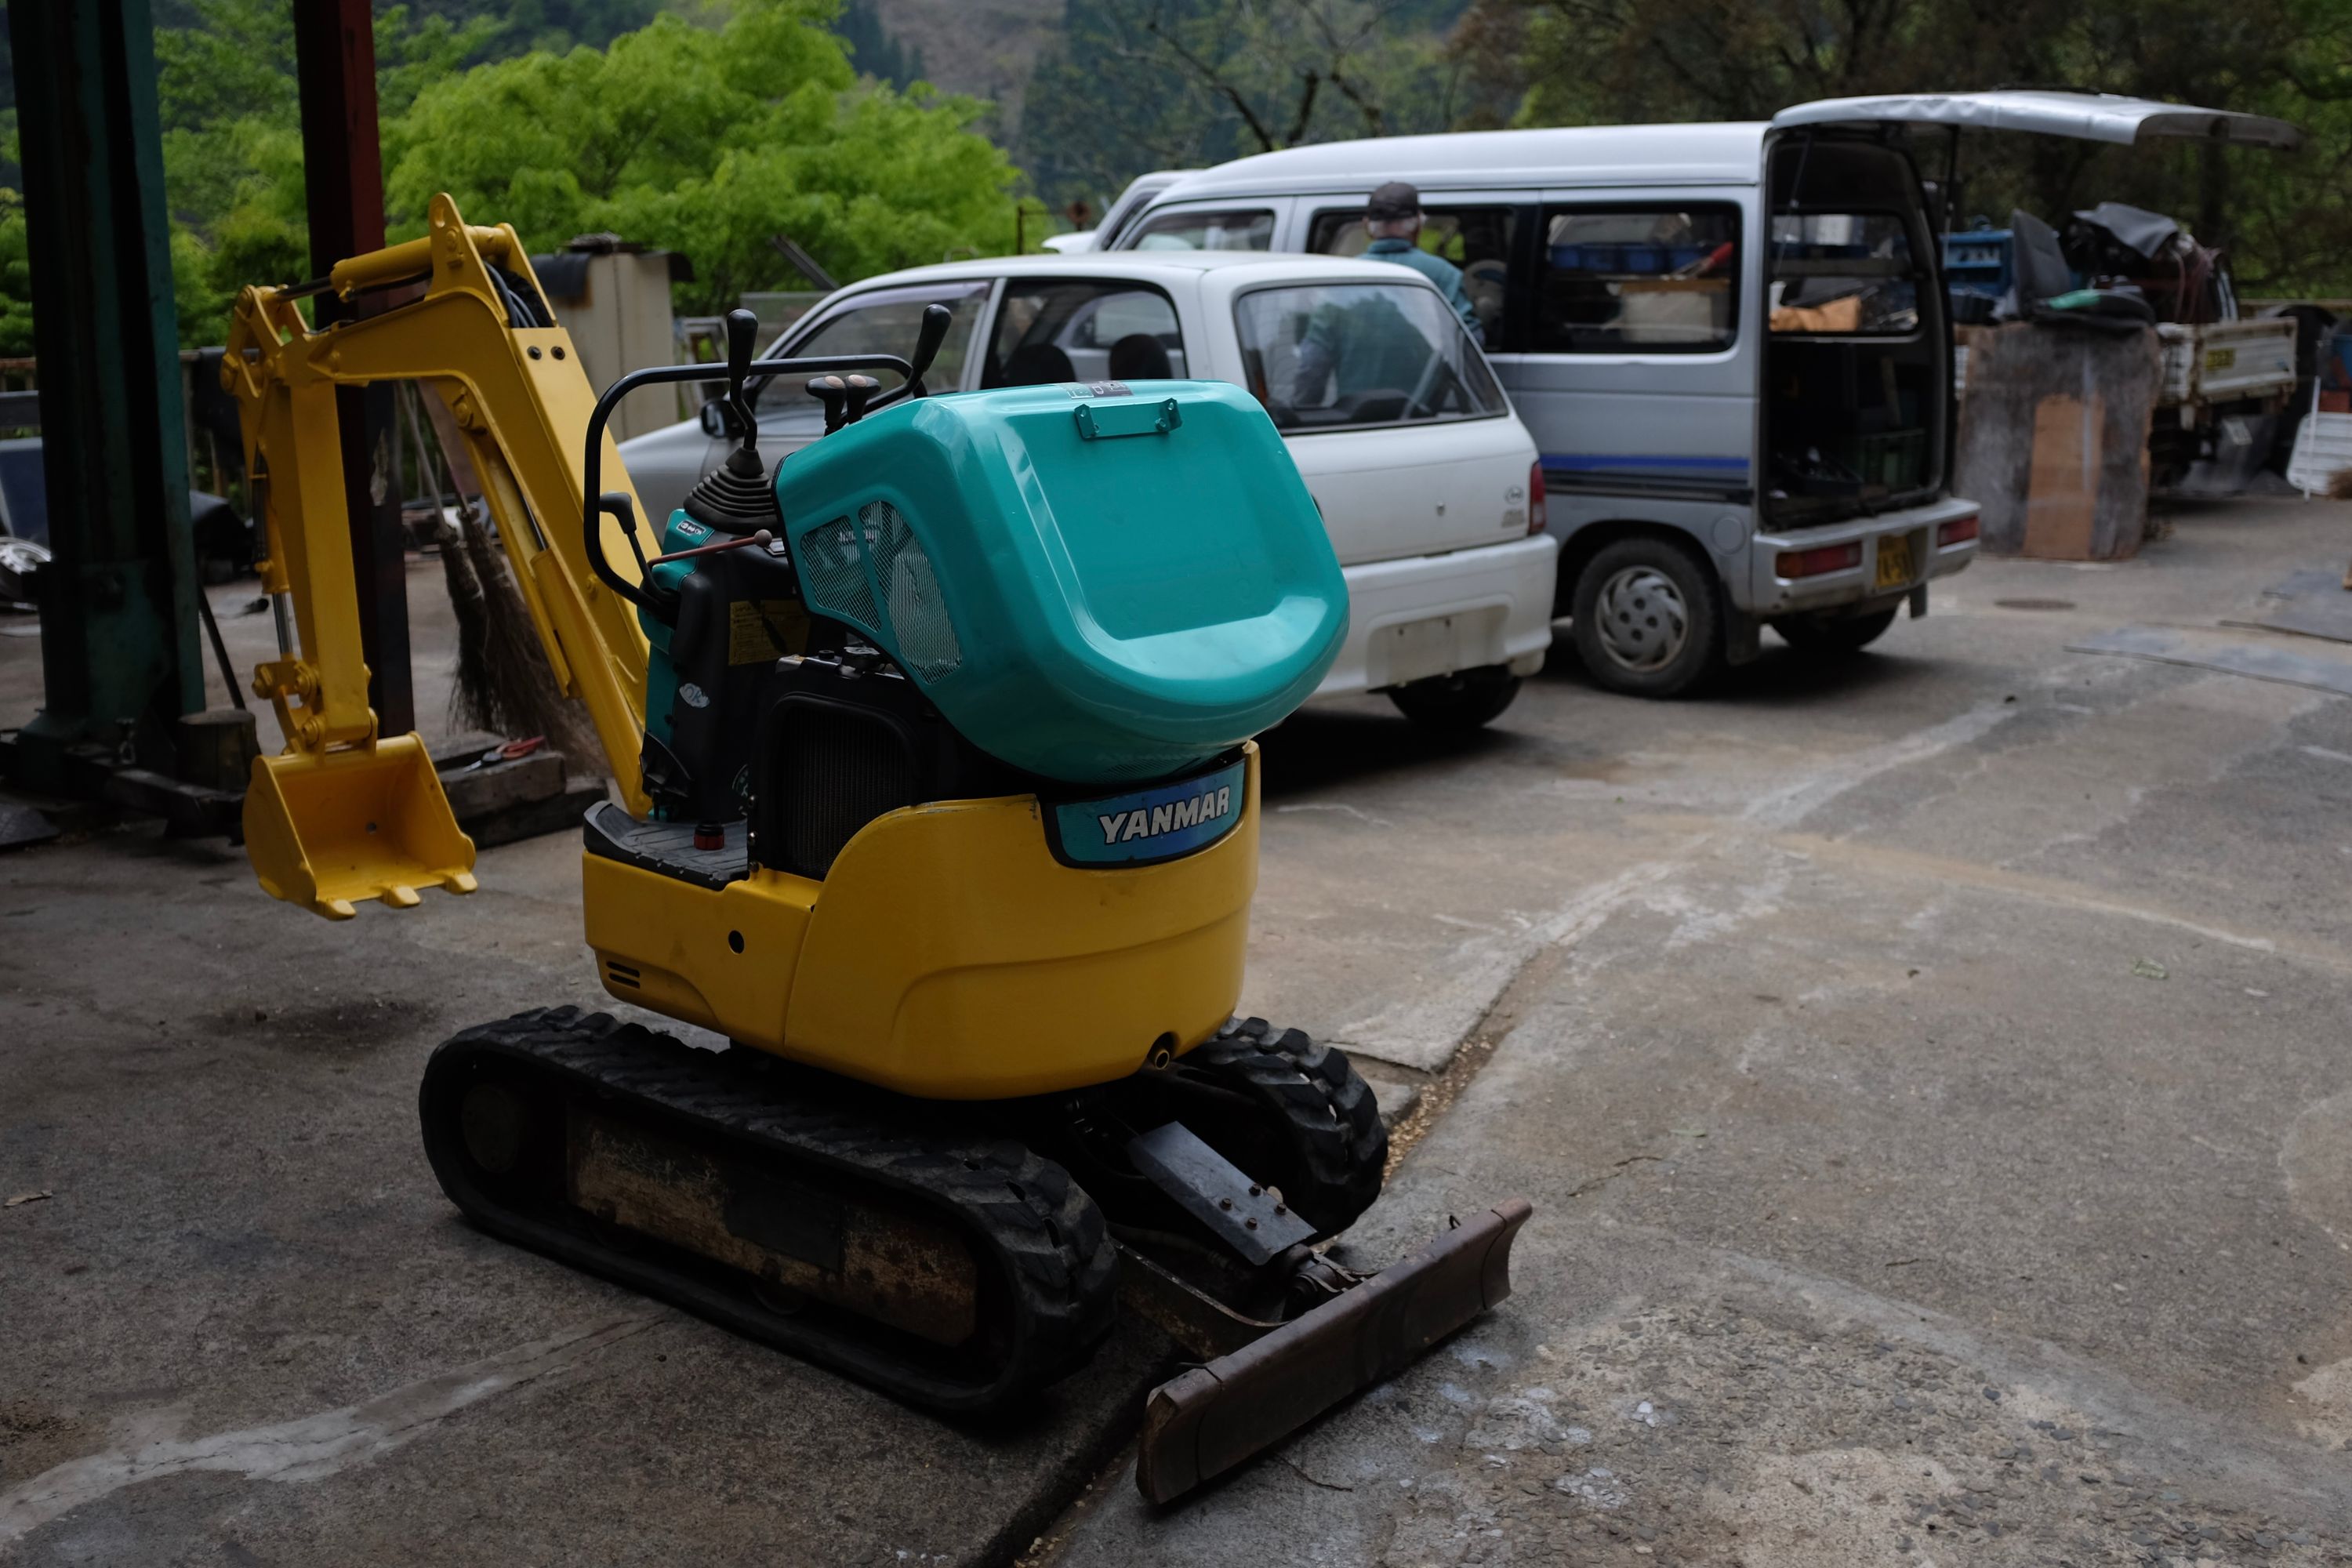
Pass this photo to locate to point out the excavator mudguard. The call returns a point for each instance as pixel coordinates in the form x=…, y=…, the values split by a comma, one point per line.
x=327, y=829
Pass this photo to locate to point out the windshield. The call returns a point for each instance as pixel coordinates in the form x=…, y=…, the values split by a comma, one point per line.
x=1848, y=273
x=1346, y=355
x=883, y=322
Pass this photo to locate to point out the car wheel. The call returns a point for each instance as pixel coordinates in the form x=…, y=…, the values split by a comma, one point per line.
x=1646, y=619
x=1834, y=634
x=1465, y=700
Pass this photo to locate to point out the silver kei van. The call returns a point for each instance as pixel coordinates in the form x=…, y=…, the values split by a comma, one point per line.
x=1729, y=340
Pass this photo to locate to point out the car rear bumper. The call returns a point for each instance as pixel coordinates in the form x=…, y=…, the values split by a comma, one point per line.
x=1770, y=593
x=1434, y=615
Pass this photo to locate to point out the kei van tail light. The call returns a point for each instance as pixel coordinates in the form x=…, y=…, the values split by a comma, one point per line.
x=1960, y=530
x=1813, y=562
x=1539, y=512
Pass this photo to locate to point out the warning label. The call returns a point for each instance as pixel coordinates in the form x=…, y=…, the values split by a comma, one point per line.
x=758, y=630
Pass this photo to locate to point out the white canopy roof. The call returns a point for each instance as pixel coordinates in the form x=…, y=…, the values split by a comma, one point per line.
x=2088, y=116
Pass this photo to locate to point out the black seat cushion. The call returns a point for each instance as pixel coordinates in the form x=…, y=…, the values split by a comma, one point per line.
x=1037, y=365
x=1139, y=356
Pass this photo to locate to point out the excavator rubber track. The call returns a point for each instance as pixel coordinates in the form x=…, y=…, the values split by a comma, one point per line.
x=956, y=1272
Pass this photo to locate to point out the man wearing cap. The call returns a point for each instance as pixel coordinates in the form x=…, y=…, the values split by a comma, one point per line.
x=1392, y=217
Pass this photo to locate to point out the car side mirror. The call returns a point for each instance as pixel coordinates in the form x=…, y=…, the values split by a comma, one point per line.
x=720, y=422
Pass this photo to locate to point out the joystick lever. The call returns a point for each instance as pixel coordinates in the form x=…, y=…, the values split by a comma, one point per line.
x=860, y=390
x=742, y=328
x=832, y=391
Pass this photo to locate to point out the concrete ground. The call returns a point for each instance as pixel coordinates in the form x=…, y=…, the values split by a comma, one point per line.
x=1928, y=1070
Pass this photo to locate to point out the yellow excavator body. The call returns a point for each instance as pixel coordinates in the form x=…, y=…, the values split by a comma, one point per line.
x=946, y=994
x=1062, y=969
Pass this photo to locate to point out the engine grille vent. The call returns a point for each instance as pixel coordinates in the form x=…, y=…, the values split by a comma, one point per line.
x=874, y=575
x=838, y=770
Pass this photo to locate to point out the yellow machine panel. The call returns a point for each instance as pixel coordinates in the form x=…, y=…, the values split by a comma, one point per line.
x=956, y=953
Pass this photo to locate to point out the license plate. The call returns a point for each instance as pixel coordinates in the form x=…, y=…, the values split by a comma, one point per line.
x=1893, y=562
x=1419, y=649
x=1144, y=825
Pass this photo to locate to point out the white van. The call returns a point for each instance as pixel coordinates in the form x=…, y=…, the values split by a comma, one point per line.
x=1729, y=340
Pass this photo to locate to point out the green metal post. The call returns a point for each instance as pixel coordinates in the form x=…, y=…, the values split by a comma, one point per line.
x=118, y=622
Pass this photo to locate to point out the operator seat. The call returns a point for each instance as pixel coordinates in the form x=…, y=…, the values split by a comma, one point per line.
x=1139, y=356
x=1036, y=364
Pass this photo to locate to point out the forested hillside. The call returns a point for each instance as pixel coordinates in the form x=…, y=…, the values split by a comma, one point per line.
x=883, y=132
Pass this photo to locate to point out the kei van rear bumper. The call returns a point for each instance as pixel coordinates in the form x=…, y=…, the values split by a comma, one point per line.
x=1768, y=594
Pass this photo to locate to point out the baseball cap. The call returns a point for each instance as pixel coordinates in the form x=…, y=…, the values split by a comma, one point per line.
x=1393, y=200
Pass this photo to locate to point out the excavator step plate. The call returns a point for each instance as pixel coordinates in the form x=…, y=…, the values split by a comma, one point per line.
x=1209, y=1419
x=330, y=831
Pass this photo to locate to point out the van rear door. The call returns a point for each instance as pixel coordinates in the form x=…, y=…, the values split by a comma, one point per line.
x=2085, y=116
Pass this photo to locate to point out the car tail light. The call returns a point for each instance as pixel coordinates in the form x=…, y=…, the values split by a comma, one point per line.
x=1960, y=530
x=1813, y=562
x=1539, y=512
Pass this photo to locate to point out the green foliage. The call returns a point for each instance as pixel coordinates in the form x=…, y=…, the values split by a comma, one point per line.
x=708, y=136
x=709, y=143
x=873, y=49
x=15, y=279
x=2282, y=217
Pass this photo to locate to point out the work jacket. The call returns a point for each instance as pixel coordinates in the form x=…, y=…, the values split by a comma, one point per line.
x=1438, y=270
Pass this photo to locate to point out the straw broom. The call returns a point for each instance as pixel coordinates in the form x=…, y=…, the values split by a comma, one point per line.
x=504, y=685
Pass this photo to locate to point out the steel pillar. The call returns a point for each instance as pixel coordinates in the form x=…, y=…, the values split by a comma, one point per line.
x=334, y=57
x=119, y=623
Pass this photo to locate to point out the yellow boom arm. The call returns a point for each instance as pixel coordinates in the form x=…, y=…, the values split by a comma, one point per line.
x=346, y=815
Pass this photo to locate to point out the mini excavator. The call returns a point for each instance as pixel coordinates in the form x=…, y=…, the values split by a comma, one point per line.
x=934, y=792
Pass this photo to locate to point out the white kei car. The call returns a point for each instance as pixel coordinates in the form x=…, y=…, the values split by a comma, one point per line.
x=1428, y=483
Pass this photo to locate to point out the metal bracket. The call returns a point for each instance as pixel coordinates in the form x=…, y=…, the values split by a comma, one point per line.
x=1252, y=1220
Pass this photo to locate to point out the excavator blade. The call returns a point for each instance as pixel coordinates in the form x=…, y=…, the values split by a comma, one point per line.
x=326, y=830
x=1211, y=1419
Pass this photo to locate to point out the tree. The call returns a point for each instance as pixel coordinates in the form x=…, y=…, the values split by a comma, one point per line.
x=1199, y=81
x=709, y=143
x=706, y=137
x=1610, y=61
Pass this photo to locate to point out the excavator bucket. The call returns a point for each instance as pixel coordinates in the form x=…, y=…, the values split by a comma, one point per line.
x=327, y=830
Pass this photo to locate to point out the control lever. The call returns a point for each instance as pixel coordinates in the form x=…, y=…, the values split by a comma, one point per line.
x=861, y=390
x=762, y=539
x=832, y=391
x=930, y=338
x=742, y=328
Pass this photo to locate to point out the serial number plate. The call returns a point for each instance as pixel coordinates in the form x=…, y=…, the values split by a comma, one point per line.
x=1893, y=562
x=2220, y=359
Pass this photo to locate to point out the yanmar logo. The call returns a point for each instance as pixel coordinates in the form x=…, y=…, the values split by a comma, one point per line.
x=1119, y=826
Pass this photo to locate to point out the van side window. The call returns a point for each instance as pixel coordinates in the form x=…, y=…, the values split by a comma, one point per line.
x=1475, y=240
x=1646, y=279
x=1249, y=228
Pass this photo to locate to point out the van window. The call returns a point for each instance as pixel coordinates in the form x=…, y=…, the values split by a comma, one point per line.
x=1060, y=330
x=1849, y=273
x=1346, y=355
x=1475, y=240
x=883, y=322
x=1248, y=229
x=1647, y=280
